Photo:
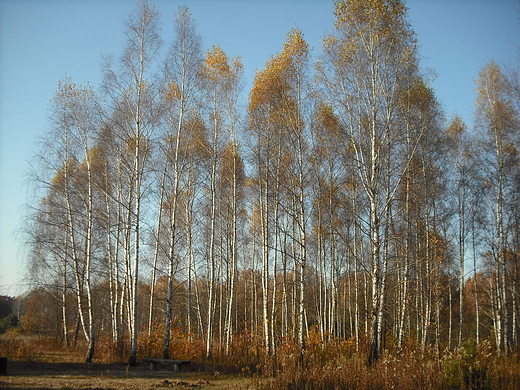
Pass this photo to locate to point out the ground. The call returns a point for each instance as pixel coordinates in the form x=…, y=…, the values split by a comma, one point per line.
x=76, y=376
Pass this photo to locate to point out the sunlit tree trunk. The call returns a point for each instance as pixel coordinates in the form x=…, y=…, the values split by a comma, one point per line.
x=133, y=96
x=88, y=259
x=476, y=285
x=498, y=117
x=182, y=76
x=365, y=74
x=190, y=255
x=456, y=131
x=218, y=75
x=153, y=276
x=265, y=236
x=236, y=181
x=64, y=291
x=74, y=107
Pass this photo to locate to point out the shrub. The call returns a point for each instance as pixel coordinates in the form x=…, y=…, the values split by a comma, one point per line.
x=11, y=321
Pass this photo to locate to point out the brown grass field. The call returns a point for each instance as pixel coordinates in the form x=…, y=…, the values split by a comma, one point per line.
x=36, y=362
x=40, y=363
x=112, y=376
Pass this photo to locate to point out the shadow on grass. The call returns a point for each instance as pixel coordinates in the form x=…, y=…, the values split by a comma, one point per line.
x=118, y=370
x=112, y=376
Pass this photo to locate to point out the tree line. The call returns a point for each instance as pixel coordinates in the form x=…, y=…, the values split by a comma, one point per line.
x=338, y=201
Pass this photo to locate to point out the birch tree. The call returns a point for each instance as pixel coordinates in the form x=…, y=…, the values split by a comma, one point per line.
x=330, y=174
x=458, y=138
x=77, y=118
x=497, y=117
x=133, y=95
x=277, y=108
x=366, y=65
x=182, y=69
x=294, y=101
x=70, y=162
x=222, y=80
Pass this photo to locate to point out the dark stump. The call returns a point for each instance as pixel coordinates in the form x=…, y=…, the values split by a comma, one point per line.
x=3, y=366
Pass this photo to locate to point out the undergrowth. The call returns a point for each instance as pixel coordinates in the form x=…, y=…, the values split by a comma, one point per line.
x=330, y=366
x=470, y=366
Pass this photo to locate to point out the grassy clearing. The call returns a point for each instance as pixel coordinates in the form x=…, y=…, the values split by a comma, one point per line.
x=37, y=375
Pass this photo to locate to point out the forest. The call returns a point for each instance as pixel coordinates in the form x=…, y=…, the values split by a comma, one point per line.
x=338, y=207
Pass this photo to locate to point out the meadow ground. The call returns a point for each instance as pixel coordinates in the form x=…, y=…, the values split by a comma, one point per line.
x=115, y=376
x=42, y=363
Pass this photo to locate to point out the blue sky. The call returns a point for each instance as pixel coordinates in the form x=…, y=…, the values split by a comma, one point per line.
x=42, y=41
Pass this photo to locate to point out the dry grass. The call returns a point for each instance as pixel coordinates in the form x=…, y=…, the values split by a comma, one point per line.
x=40, y=362
x=79, y=376
x=37, y=362
x=467, y=367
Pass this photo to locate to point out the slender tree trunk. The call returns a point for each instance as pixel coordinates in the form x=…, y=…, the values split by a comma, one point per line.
x=79, y=268
x=113, y=254
x=332, y=275
x=88, y=257
x=355, y=255
x=462, y=234
x=265, y=260
x=189, y=248
x=476, y=290
x=172, y=204
x=376, y=285
x=156, y=251
x=171, y=268
x=450, y=318
x=275, y=282
x=404, y=295
x=212, y=238
x=64, y=303
x=285, y=297
x=233, y=248
x=135, y=277
x=429, y=284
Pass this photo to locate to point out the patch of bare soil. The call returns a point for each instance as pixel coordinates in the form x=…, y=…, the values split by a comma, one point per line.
x=81, y=376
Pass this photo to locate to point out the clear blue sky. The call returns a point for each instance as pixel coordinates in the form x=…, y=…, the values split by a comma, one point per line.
x=41, y=41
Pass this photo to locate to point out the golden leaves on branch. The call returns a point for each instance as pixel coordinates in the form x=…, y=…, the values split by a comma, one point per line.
x=438, y=244
x=295, y=45
x=456, y=127
x=138, y=144
x=198, y=143
x=494, y=100
x=274, y=82
x=328, y=121
x=216, y=64
x=232, y=171
x=173, y=91
x=368, y=24
x=64, y=173
x=219, y=70
x=192, y=142
x=366, y=12
x=69, y=94
x=329, y=41
x=417, y=94
x=95, y=161
x=510, y=149
x=232, y=164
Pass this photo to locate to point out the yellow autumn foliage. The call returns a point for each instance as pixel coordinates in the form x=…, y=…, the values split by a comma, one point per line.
x=173, y=91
